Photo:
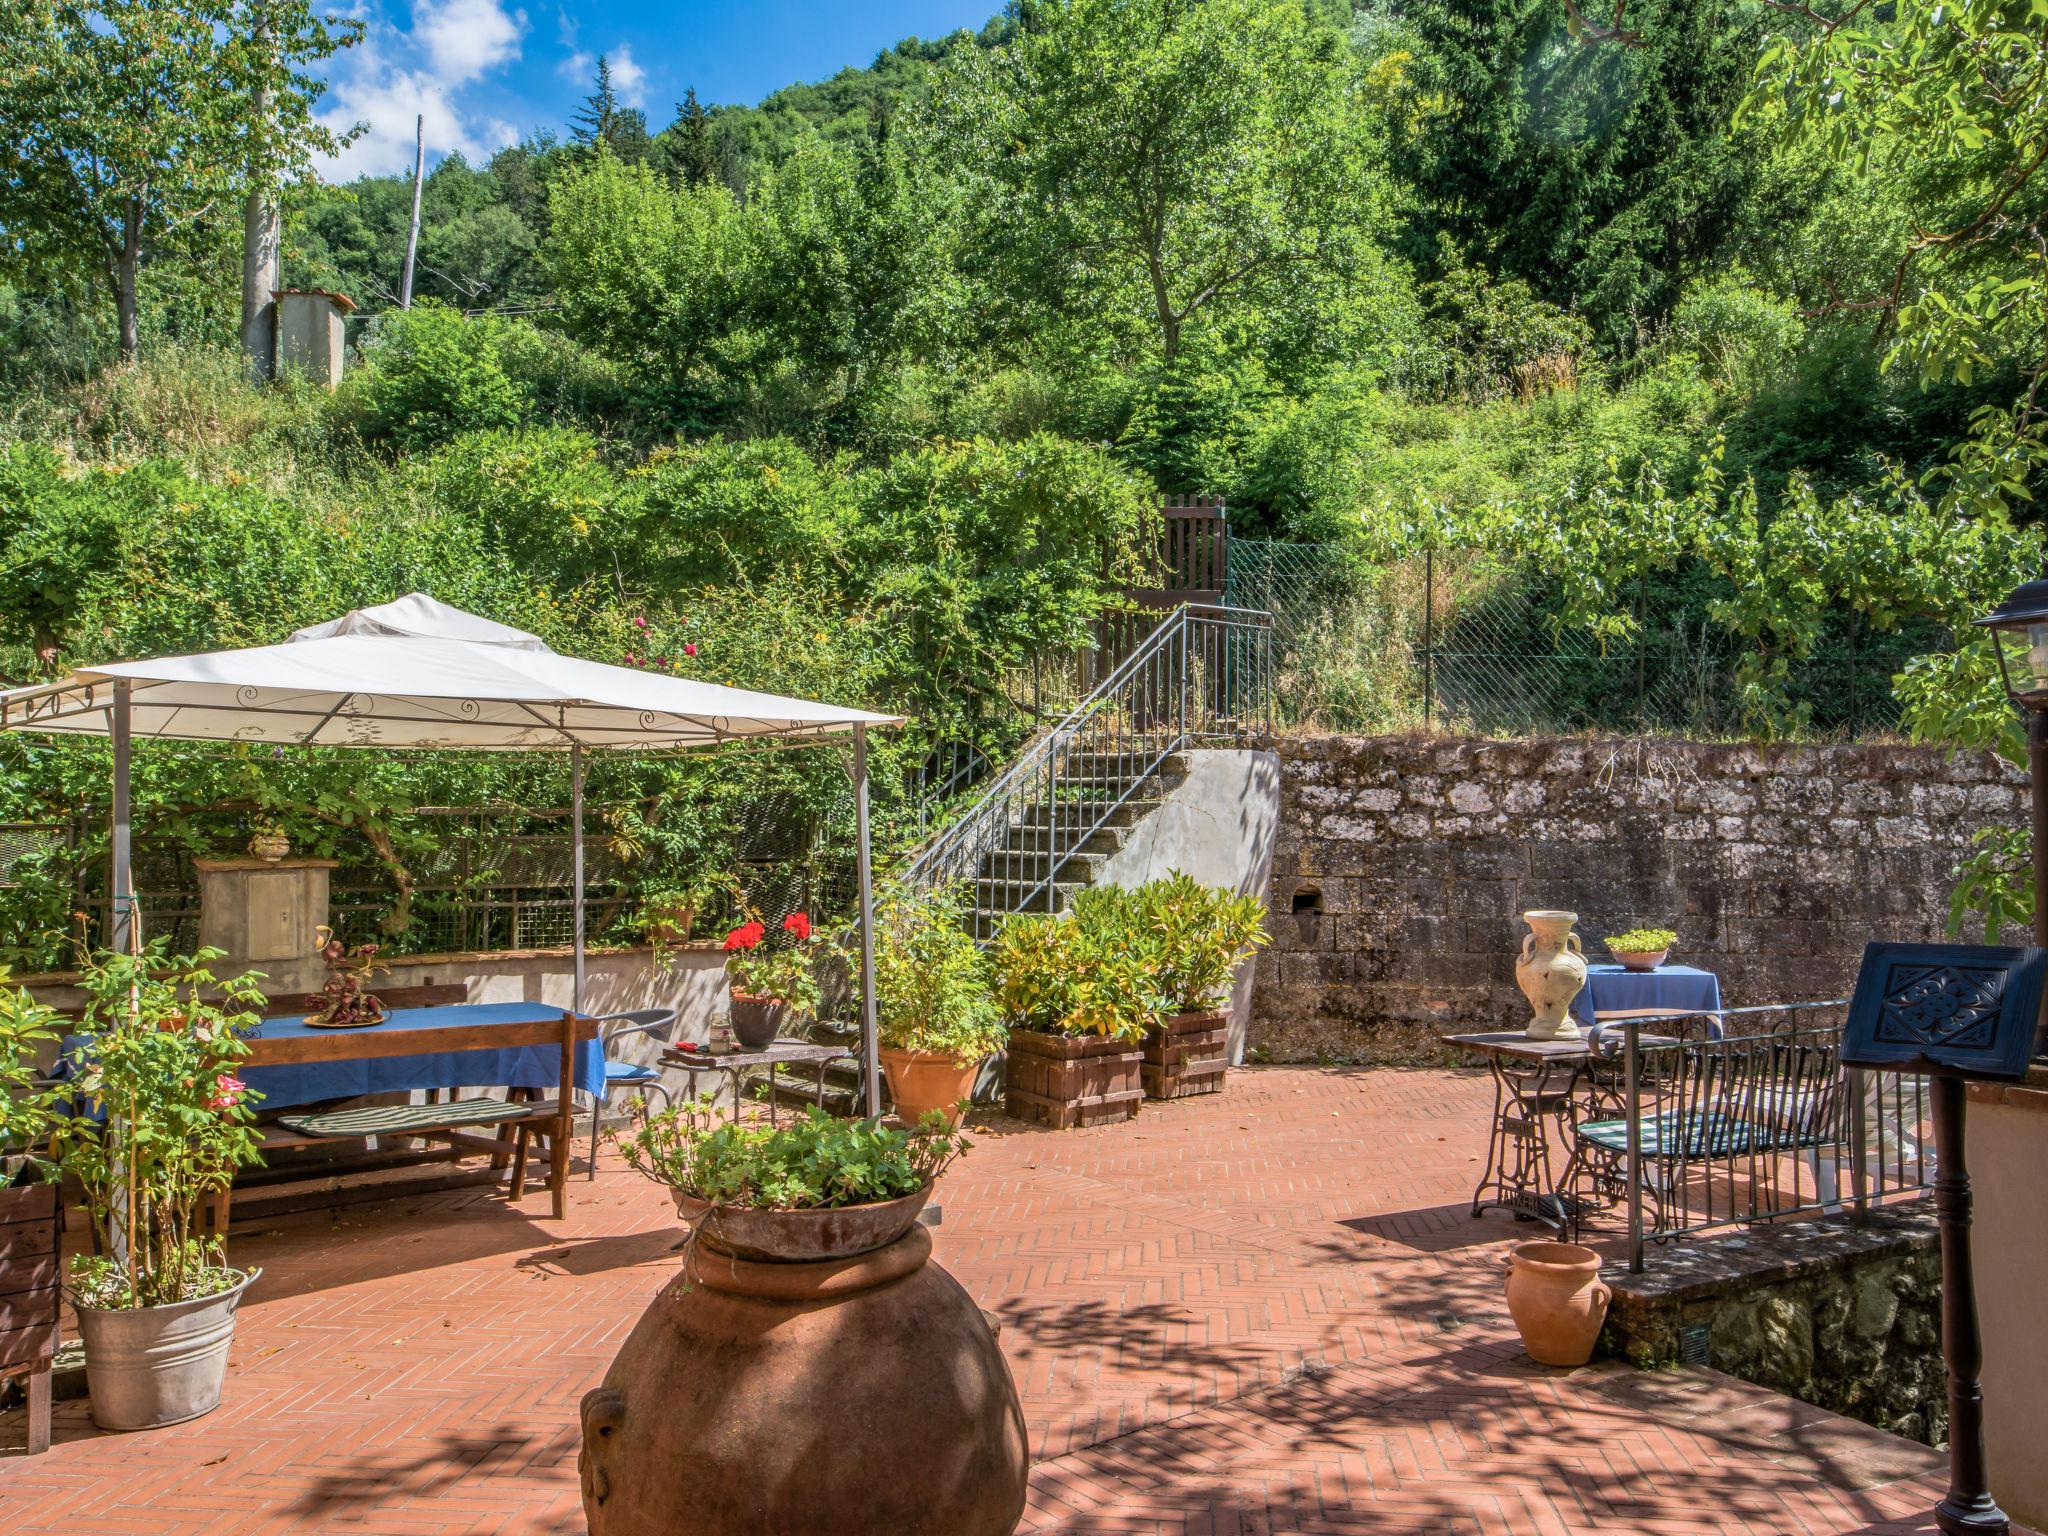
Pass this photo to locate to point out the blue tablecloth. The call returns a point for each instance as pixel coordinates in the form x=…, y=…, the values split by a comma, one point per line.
x=1676, y=988
x=526, y=1066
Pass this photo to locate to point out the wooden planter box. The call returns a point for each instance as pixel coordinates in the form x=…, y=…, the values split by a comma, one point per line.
x=1062, y=1081
x=1186, y=1054
x=29, y=1266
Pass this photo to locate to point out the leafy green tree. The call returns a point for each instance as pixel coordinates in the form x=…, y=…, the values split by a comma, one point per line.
x=128, y=131
x=1599, y=169
x=1948, y=103
x=645, y=272
x=432, y=376
x=1160, y=160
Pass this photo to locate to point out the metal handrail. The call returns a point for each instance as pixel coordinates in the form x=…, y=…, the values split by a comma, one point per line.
x=1183, y=682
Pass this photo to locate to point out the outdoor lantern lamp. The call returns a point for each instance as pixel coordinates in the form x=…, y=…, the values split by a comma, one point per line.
x=2019, y=636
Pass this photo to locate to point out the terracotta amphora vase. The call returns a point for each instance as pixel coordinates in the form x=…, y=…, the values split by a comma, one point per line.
x=1550, y=973
x=863, y=1396
x=1558, y=1301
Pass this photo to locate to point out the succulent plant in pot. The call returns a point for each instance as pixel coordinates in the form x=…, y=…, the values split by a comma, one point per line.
x=1641, y=949
x=165, y=1124
x=939, y=1019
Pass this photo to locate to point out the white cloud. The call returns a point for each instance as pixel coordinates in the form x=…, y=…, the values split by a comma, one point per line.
x=395, y=76
x=467, y=38
x=629, y=80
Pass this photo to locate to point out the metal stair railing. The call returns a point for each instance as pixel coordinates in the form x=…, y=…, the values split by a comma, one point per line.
x=1203, y=675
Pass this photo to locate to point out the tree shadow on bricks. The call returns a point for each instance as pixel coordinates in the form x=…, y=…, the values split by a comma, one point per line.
x=401, y=1476
x=1434, y=1446
x=595, y=1255
x=1158, y=1338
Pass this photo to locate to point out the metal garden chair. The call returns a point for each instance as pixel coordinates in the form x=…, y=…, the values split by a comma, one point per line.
x=613, y=1027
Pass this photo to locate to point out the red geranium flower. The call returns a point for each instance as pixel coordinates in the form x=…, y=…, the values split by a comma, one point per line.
x=689, y=647
x=746, y=936
x=227, y=1091
x=798, y=923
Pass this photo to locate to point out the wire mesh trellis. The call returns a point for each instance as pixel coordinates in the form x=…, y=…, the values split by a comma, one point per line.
x=1469, y=642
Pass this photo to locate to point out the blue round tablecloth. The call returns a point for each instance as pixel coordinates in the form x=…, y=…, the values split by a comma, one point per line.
x=1674, y=988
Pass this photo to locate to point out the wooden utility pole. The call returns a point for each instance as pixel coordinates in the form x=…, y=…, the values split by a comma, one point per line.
x=412, y=237
x=262, y=269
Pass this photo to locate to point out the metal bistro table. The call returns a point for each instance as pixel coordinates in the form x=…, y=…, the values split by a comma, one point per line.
x=782, y=1053
x=1534, y=1082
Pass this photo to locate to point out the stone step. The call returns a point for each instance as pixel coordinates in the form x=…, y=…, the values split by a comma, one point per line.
x=1066, y=839
x=1129, y=814
x=1014, y=865
x=1002, y=895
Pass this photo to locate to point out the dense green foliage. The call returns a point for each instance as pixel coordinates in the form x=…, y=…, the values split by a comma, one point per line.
x=863, y=392
x=816, y=1162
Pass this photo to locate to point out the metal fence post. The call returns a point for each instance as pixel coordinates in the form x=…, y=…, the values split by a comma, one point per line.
x=1632, y=1093
x=1428, y=633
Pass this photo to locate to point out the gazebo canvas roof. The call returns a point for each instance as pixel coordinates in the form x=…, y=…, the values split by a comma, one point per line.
x=417, y=673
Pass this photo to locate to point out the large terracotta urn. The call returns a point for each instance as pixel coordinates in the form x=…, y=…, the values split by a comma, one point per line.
x=1558, y=1301
x=864, y=1396
x=1550, y=973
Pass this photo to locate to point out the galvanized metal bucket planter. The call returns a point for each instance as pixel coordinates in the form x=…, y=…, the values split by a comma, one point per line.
x=151, y=1366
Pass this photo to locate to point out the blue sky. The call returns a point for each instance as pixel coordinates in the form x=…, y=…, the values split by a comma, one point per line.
x=486, y=72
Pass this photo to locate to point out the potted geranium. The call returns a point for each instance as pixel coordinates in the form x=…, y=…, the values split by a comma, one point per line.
x=774, y=976
x=938, y=1016
x=1079, y=997
x=167, y=1124
x=1194, y=938
x=30, y=1212
x=806, y=1286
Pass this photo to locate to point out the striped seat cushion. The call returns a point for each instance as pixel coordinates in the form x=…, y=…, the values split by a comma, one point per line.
x=399, y=1119
x=1701, y=1135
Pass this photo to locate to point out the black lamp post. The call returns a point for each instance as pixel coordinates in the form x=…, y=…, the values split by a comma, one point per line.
x=2019, y=636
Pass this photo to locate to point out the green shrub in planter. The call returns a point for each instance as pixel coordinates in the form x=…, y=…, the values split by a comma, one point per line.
x=1194, y=937
x=1066, y=976
x=815, y=1163
x=25, y=1110
x=932, y=986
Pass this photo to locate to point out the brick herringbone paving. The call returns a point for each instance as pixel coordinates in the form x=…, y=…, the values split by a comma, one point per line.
x=1262, y=1311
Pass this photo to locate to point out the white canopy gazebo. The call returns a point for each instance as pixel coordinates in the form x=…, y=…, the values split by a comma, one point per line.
x=416, y=674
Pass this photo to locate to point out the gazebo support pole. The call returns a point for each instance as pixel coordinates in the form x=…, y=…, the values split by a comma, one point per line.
x=121, y=876
x=576, y=864
x=871, y=1067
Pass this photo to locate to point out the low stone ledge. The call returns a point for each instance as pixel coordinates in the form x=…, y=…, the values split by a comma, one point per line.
x=1842, y=1316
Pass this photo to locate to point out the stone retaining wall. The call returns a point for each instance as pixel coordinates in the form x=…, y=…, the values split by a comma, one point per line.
x=1402, y=863
x=1846, y=1318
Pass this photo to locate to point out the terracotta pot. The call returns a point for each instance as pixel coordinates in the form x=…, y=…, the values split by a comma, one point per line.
x=671, y=925
x=923, y=1081
x=1558, y=1301
x=780, y=1237
x=1641, y=959
x=1550, y=973
x=756, y=1020
x=727, y=1410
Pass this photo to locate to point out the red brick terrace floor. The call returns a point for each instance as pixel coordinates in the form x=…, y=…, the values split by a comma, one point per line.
x=1262, y=1312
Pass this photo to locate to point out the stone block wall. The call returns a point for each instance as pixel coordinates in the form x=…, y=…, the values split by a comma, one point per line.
x=1842, y=1317
x=1402, y=864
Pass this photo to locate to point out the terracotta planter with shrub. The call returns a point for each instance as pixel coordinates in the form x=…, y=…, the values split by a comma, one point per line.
x=1067, y=1080
x=1186, y=1054
x=30, y=1220
x=923, y=1081
x=1558, y=1301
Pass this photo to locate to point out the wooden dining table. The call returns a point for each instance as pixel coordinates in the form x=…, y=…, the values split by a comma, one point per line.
x=440, y=1032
